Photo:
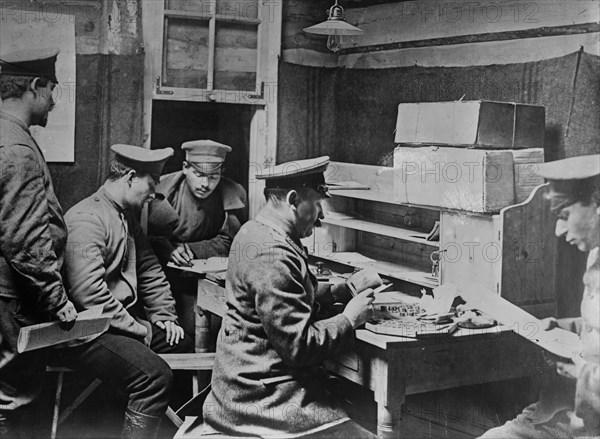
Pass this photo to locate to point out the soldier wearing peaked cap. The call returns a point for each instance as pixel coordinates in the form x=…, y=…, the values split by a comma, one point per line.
x=201, y=213
x=570, y=406
x=273, y=338
x=32, y=230
x=112, y=264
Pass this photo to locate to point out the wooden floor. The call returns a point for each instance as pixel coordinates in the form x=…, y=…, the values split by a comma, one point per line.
x=459, y=413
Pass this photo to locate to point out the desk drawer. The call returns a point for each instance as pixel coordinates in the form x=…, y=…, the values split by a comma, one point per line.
x=347, y=359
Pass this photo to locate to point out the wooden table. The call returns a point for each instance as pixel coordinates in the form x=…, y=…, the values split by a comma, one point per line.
x=393, y=367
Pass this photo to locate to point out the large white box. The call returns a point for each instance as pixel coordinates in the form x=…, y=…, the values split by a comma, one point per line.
x=465, y=179
x=526, y=165
x=484, y=124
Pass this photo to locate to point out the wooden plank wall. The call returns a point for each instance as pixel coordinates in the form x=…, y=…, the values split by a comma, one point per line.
x=448, y=33
x=109, y=72
x=460, y=34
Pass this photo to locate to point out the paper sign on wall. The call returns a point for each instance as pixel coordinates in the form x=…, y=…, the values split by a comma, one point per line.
x=27, y=25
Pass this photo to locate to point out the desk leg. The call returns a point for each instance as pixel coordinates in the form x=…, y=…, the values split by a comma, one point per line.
x=387, y=422
x=389, y=392
x=202, y=331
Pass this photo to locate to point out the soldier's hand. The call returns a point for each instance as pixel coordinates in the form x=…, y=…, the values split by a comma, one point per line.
x=67, y=315
x=182, y=256
x=365, y=278
x=571, y=370
x=548, y=323
x=360, y=308
x=174, y=332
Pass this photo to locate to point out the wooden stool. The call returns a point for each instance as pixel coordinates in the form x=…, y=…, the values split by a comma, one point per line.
x=194, y=362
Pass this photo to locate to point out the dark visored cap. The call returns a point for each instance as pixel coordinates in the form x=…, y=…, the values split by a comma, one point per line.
x=30, y=62
x=299, y=173
x=149, y=161
x=569, y=178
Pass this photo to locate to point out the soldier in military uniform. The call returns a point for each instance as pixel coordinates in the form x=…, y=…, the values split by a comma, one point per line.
x=199, y=217
x=267, y=379
x=570, y=407
x=111, y=263
x=32, y=230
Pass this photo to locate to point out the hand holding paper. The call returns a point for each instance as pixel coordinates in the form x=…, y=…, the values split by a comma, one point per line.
x=365, y=278
x=89, y=323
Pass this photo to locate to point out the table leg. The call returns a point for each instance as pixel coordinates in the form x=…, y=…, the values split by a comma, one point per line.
x=202, y=331
x=387, y=423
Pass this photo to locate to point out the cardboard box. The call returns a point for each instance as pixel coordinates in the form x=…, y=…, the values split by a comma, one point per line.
x=465, y=179
x=483, y=124
x=526, y=171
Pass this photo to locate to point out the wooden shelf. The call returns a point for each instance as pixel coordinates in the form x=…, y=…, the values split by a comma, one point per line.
x=387, y=197
x=394, y=270
x=365, y=194
x=381, y=229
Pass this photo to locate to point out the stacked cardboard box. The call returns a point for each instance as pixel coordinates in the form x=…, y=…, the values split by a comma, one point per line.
x=475, y=155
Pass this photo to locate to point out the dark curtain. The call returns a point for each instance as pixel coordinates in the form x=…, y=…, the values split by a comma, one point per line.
x=350, y=114
x=108, y=110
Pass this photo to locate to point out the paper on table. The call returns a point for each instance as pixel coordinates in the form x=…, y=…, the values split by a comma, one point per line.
x=557, y=341
x=443, y=296
x=202, y=266
x=350, y=258
x=89, y=322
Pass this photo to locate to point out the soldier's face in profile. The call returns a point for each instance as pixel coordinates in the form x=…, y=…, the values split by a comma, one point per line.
x=141, y=190
x=309, y=212
x=44, y=103
x=579, y=224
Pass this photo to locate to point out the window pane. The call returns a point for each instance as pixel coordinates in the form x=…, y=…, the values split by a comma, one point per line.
x=198, y=6
x=239, y=9
x=186, y=53
x=235, y=56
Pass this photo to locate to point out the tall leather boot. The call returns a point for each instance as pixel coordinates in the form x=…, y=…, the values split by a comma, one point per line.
x=139, y=426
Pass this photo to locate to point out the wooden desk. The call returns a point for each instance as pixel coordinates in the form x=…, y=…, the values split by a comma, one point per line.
x=393, y=367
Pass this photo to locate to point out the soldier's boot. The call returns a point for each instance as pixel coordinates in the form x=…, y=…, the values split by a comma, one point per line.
x=9, y=425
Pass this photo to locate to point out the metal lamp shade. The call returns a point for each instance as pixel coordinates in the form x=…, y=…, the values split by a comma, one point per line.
x=333, y=27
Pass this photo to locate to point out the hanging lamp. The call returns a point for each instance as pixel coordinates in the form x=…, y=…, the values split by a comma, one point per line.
x=335, y=27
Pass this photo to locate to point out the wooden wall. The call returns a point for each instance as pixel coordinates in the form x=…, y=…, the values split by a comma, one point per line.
x=109, y=70
x=424, y=51
x=444, y=33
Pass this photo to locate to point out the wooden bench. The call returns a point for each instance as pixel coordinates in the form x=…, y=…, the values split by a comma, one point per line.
x=193, y=362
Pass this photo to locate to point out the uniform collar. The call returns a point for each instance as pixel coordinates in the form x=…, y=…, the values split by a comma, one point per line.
x=15, y=120
x=270, y=218
x=104, y=194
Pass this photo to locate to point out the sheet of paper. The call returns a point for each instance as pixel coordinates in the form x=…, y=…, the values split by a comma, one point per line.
x=557, y=341
x=88, y=323
x=203, y=266
x=350, y=258
x=443, y=296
